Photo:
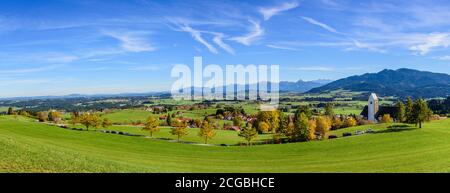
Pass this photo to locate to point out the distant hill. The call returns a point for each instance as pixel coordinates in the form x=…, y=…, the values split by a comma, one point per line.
x=401, y=83
x=301, y=86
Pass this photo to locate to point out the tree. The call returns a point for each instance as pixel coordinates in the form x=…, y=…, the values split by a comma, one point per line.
x=151, y=125
x=90, y=120
x=106, y=123
x=198, y=123
x=10, y=111
x=179, y=130
x=289, y=131
x=206, y=131
x=337, y=123
x=386, y=118
x=42, y=116
x=169, y=119
x=301, y=127
x=311, y=130
x=263, y=127
x=74, y=118
x=237, y=121
x=421, y=112
x=323, y=124
x=329, y=110
x=400, y=115
x=350, y=122
x=249, y=133
x=54, y=116
x=409, y=116
x=304, y=109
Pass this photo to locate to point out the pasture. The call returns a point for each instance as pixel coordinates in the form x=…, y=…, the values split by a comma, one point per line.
x=28, y=146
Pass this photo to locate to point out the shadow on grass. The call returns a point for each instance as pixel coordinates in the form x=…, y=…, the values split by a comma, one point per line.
x=397, y=128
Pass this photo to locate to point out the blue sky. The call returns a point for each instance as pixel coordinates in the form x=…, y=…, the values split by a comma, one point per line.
x=58, y=47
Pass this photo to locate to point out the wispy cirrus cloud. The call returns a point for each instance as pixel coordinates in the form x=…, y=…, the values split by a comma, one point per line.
x=131, y=41
x=320, y=24
x=29, y=70
x=182, y=26
x=269, y=12
x=255, y=34
x=282, y=47
x=218, y=39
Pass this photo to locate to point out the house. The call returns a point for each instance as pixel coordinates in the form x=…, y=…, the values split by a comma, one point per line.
x=235, y=128
x=373, y=111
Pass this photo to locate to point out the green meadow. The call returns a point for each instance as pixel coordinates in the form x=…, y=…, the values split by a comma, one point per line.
x=29, y=146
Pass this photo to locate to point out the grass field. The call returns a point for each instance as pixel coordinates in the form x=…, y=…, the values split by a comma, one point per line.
x=34, y=147
x=222, y=136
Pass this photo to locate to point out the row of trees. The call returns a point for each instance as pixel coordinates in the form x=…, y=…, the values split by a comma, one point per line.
x=90, y=120
x=179, y=128
x=413, y=112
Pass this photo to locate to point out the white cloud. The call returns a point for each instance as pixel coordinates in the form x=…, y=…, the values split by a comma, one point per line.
x=269, y=12
x=218, y=39
x=430, y=42
x=255, y=33
x=131, y=41
x=320, y=24
x=281, y=47
x=29, y=70
x=196, y=34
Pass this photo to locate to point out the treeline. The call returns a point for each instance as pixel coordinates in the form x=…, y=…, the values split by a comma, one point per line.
x=440, y=106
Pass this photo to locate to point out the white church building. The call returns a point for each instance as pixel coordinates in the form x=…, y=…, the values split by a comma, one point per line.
x=373, y=111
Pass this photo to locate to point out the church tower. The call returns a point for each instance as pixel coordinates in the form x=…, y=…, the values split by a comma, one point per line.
x=372, y=107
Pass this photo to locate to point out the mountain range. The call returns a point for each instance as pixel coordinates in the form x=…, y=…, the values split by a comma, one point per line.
x=401, y=83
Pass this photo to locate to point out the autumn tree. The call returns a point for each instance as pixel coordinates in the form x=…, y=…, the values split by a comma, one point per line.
x=323, y=125
x=312, y=125
x=106, y=123
x=90, y=120
x=249, y=133
x=337, y=123
x=42, y=116
x=54, y=116
x=263, y=127
x=180, y=129
x=386, y=118
x=350, y=122
x=151, y=125
x=206, y=131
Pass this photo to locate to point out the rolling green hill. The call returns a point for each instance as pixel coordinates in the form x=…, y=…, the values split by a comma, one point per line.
x=28, y=146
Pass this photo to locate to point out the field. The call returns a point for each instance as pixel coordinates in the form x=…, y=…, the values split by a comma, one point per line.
x=28, y=146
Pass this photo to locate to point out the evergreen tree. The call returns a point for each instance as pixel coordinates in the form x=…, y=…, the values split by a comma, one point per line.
x=400, y=115
x=10, y=111
x=329, y=110
x=409, y=117
x=249, y=133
